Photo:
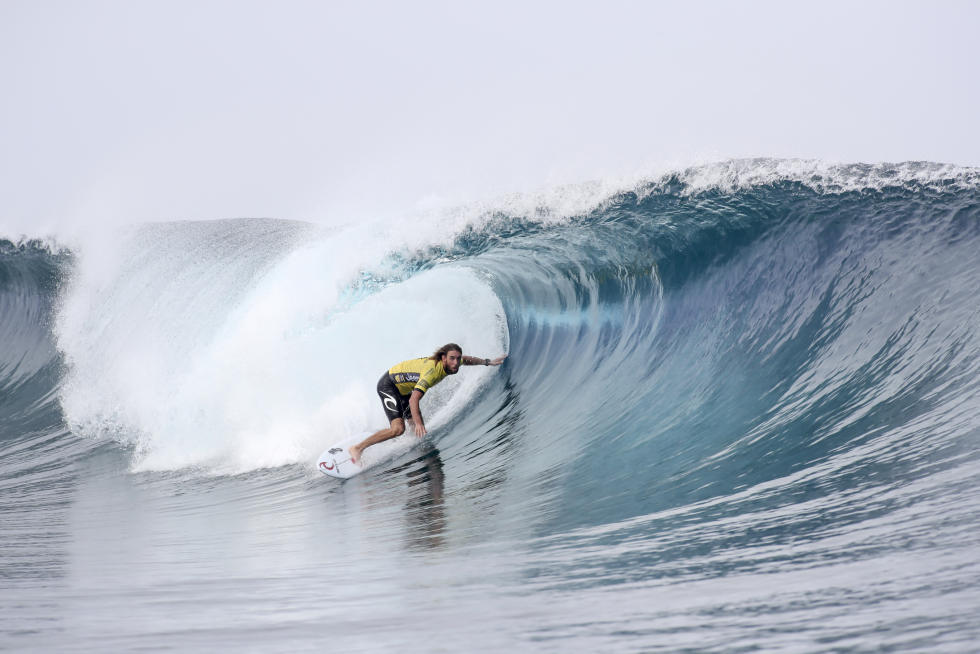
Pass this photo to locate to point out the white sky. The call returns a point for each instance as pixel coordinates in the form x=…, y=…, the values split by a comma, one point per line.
x=136, y=110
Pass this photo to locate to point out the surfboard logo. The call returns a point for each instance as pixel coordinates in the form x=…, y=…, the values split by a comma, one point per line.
x=334, y=450
x=324, y=466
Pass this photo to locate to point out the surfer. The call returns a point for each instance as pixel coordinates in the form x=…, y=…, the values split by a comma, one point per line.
x=402, y=386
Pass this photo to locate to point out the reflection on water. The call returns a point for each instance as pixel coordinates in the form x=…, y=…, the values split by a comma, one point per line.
x=425, y=510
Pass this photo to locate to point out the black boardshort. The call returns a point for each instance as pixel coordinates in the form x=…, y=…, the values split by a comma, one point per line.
x=394, y=403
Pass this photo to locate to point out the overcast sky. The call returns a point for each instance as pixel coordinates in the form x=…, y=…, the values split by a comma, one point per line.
x=135, y=110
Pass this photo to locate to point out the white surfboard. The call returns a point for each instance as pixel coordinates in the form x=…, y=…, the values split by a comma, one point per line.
x=335, y=460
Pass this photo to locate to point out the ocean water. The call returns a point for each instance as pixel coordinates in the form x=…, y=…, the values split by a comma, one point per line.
x=740, y=412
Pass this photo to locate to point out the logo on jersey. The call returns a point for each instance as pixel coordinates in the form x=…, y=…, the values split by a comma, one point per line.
x=406, y=377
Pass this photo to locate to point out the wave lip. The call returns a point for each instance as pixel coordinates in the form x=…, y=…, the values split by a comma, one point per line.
x=823, y=177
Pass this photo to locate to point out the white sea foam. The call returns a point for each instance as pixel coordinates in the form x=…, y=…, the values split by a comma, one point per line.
x=824, y=176
x=199, y=359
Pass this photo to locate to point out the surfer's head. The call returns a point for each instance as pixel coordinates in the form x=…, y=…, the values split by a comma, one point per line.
x=451, y=356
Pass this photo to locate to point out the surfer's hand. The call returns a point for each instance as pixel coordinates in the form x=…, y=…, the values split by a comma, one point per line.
x=419, y=429
x=498, y=360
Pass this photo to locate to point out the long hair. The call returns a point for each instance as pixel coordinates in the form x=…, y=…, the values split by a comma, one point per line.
x=445, y=349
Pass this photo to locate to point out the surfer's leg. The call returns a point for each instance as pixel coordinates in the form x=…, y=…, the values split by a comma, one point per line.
x=395, y=406
x=397, y=428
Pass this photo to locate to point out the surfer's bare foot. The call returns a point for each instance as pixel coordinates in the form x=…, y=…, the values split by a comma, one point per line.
x=355, y=454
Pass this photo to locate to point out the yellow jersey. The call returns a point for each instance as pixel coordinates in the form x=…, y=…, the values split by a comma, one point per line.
x=416, y=375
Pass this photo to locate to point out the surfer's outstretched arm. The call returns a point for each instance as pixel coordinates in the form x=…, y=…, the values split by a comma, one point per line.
x=478, y=361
